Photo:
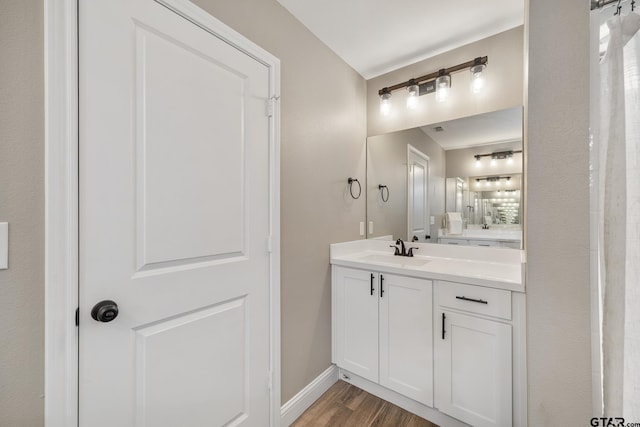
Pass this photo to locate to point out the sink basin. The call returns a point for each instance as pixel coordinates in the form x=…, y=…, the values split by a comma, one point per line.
x=397, y=260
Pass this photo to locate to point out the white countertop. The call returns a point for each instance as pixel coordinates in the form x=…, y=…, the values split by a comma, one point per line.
x=501, y=268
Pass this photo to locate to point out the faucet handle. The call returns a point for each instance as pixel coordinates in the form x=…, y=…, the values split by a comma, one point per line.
x=410, y=253
x=397, y=250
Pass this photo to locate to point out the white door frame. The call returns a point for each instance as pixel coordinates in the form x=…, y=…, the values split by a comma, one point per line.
x=61, y=201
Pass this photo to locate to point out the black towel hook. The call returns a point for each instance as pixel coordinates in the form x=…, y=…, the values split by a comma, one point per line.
x=619, y=8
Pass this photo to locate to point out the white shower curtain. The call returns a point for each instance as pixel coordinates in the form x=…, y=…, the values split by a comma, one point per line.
x=619, y=233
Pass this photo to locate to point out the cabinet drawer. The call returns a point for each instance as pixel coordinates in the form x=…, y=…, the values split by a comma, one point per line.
x=453, y=242
x=484, y=243
x=475, y=299
x=513, y=245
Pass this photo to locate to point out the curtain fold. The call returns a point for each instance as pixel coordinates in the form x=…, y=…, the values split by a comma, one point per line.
x=619, y=207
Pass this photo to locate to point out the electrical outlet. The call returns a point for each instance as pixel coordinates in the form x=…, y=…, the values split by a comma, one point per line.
x=370, y=227
x=432, y=220
x=4, y=245
x=362, y=228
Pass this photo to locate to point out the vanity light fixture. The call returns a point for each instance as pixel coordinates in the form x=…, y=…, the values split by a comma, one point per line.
x=438, y=82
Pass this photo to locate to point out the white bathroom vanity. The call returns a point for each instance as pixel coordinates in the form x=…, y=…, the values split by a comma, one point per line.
x=441, y=334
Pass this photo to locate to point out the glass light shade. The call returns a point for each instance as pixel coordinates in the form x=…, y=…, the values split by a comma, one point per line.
x=443, y=83
x=385, y=104
x=477, y=78
x=412, y=98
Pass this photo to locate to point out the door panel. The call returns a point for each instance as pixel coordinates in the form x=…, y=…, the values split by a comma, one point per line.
x=174, y=222
x=473, y=370
x=179, y=215
x=357, y=317
x=178, y=368
x=406, y=337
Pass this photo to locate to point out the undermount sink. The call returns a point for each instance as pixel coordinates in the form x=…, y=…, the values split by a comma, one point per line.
x=394, y=259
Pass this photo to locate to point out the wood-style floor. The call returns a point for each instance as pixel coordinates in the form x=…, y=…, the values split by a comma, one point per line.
x=344, y=405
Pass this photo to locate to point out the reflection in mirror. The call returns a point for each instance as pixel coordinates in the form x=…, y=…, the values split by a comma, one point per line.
x=474, y=168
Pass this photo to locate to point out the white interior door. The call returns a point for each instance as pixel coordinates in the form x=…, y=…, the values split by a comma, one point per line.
x=417, y=194
x=174, y=222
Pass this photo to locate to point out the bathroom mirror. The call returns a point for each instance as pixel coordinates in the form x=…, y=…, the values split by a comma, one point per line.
x=474, y=166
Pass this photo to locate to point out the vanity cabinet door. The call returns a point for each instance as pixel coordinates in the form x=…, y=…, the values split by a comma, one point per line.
x=356, y=316
x=406, y=337
x=473, y=373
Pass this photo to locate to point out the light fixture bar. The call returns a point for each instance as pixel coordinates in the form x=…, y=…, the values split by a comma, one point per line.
x=498, y=154
x=482, y=60
x=493, y=178
x=598, y=4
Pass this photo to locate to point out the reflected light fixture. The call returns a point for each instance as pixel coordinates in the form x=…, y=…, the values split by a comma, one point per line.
x=443, y=83
x=500, y=155
x=385, y=103
x=496, y=180
x=477, y=76
x=412, y=98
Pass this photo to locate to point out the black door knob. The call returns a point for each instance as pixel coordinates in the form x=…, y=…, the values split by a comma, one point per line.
x=105, y=311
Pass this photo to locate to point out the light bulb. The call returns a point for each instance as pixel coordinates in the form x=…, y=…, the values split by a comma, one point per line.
x=493, y=162
x=509, y=160
x=509, y=181
x=443, y=83
x=477, y=78
x=385, y=104
x=478, y=164
x=412, y=98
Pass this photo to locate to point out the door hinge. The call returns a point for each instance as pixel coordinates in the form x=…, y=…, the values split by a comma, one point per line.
x=269, y=244
x=270, y=380
x=77, y=316
x=271, y=105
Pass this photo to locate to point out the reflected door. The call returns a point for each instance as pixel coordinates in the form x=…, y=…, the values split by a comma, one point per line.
x=417, y=194
x=174, y=222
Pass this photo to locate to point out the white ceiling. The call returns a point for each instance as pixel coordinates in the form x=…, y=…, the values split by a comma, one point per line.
x=378, y=36
x=483, y=129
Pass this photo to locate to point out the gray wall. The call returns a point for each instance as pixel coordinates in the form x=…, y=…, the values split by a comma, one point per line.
x=21, y=204
x=557, y=155
x=387, y=164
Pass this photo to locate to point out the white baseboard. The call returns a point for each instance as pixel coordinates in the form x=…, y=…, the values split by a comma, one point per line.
x=299, y=403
